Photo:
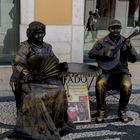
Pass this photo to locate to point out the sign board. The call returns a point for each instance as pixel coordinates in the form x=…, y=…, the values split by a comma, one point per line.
x=78, y=102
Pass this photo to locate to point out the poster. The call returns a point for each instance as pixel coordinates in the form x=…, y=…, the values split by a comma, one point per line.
x=78, y=102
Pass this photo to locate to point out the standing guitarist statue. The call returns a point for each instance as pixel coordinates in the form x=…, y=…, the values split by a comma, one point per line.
x=112, y=53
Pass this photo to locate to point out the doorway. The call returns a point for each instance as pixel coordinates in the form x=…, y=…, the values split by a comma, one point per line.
x=105, y=10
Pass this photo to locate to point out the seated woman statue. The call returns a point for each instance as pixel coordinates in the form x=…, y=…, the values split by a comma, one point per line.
x=40, y=96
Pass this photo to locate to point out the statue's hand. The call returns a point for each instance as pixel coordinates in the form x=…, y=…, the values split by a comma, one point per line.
x=27, y=78
x=128, y=44
x=108, y=53
x=63, y=66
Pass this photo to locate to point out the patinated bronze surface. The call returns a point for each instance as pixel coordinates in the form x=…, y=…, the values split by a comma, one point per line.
x=113, y=60
x=40, y=96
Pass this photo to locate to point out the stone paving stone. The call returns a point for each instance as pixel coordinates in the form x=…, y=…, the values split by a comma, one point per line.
x=8, y=113
x=110, y=129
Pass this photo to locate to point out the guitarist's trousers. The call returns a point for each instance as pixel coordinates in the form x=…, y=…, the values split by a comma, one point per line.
x=117, y=81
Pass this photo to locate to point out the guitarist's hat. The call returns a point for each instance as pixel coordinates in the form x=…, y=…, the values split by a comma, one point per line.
x=115, y=23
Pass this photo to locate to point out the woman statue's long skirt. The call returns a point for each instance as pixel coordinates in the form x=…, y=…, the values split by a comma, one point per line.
x=42, y=112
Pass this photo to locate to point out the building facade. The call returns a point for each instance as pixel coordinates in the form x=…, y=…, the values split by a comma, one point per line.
x=65, y=23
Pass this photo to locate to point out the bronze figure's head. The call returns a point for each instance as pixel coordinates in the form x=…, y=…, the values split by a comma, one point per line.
x=115, y=28
x=36, y=32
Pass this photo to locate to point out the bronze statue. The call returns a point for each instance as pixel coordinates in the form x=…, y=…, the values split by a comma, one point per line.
x=112, y=54
x=40, y=96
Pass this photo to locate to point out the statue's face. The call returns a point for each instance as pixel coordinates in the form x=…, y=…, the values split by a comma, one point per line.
x=38, y=36
x=115, y=30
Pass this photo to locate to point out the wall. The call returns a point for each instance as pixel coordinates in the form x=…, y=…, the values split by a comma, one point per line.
x=67, y=40
x=53, y=12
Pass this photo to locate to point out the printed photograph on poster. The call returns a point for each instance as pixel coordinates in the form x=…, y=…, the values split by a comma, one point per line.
x=78, y=102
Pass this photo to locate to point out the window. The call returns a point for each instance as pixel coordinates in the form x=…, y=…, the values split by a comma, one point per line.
x=134, y=13
x=9, y=29
x=107, y=12
x=0, y=12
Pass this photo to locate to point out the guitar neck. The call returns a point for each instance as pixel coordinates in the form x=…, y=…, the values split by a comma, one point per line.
x=135, y=33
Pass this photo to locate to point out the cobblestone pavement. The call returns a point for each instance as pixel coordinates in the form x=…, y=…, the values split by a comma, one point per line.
x=111, y=129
